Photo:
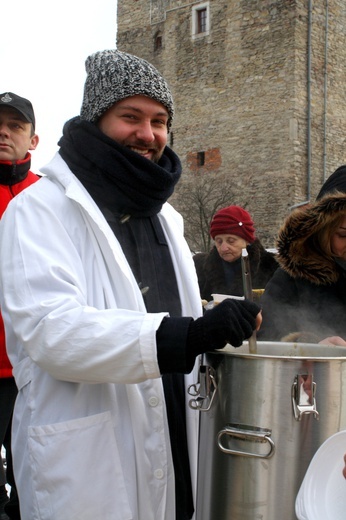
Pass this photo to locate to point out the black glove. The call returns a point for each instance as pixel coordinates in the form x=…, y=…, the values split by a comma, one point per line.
x=231, y=321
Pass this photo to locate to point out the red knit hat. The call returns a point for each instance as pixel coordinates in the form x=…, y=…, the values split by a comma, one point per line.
x=233, y=220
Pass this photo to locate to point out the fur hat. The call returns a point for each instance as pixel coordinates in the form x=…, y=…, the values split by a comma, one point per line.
x=233, y=220
x=22, y=105
x=113, y=75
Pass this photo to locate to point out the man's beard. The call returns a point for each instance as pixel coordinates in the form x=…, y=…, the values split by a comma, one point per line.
x=156, y=152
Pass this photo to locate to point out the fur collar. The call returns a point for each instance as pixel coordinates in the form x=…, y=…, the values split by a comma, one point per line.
x=298, y=254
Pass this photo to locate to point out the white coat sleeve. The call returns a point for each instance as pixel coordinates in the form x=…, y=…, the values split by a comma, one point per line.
x=52, y=296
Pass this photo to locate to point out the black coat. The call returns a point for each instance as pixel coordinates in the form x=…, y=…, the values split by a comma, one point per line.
x=295, y=309
x=306, y=298
x=218, y=276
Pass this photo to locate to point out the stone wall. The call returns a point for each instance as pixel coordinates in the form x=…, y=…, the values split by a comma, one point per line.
x=241, y=93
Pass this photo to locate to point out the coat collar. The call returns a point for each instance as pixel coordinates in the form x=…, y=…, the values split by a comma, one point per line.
x=12, y=172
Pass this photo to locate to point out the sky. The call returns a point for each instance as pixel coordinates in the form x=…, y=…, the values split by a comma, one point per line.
x=44, y=44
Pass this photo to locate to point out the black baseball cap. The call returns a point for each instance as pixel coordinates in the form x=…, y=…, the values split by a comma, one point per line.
x=19, y=103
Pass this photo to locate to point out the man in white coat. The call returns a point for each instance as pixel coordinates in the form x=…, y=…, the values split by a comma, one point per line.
x=101, y=307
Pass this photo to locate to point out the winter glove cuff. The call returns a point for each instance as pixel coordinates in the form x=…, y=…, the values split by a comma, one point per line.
x=231, y=321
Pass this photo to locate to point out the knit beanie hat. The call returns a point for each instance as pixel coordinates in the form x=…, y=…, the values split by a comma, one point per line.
x=336, y=182
x=233, y=220
x=113, y=75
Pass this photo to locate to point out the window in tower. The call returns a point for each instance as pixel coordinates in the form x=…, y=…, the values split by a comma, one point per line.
x=200, y=20
x=200, y=158
x=158, y=41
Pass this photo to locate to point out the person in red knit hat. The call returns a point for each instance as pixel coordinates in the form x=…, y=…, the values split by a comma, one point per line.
x=219, y=271
x=17, y=137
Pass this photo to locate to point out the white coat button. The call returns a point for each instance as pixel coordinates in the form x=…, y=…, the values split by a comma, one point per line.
x=153, y=401
x=158, y=473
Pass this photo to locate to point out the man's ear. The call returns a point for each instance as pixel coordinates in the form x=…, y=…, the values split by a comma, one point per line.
x=34, y=142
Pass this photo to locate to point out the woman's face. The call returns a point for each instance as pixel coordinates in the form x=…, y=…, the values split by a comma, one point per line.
x=338, y=240
x=229, y=246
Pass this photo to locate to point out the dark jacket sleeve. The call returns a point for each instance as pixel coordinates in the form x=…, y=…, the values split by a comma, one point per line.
x=171, y=341
x=199, y=260
x=279, y=305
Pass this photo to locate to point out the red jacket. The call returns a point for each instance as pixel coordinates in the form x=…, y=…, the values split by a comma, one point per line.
x=14, y=177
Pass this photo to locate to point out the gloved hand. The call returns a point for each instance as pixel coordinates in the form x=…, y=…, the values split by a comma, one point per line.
x=231, y=321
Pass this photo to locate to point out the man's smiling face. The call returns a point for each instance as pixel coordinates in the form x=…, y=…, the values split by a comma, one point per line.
x=139, y=123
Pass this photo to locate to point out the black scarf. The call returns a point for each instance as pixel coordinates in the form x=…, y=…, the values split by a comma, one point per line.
x=125, y=181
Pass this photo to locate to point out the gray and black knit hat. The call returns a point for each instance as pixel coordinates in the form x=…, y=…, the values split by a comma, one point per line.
x=113, y=75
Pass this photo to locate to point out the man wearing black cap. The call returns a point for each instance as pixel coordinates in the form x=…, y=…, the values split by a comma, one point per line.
x=104, y=312
x=17, y=130
x=17, y=136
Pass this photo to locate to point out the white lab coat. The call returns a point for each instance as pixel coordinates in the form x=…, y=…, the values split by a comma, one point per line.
x=90, y=432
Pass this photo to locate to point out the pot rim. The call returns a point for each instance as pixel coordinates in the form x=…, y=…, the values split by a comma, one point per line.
x=288, y=350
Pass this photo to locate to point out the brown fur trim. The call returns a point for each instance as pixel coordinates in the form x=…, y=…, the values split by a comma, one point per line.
x=296, y=251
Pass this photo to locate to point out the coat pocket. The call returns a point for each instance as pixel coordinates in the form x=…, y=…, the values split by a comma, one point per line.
x=76, y=470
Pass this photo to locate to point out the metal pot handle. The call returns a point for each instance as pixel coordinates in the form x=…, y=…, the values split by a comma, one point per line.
x=204, y=390
x=253, y=434
x=303, y=396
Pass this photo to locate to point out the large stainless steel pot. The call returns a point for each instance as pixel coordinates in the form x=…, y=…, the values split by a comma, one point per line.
x=262, y=418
